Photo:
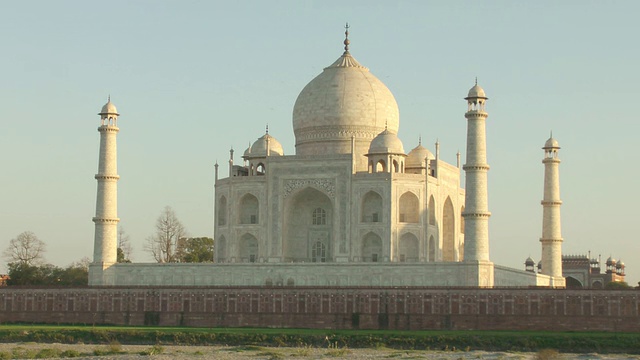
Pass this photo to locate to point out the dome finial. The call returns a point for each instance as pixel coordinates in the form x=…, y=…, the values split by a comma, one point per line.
x=476, y=80
x=420, y=139
x=109, y=98
x=267, y=130
x=346, y=37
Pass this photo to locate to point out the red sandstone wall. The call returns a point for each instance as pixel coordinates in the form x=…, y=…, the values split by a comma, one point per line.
x=331, y=308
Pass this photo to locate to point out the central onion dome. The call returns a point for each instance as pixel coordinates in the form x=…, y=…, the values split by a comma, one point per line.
x=344, y=101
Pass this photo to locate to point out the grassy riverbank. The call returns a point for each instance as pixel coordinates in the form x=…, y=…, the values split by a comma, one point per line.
x=576, y=342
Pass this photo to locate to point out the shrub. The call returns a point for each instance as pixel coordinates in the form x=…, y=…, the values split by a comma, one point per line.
x=48, y=353
x=154, y=350
x=547, y=354
x=70, y=354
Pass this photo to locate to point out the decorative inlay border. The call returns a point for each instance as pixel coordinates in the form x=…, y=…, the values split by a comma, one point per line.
x=106, y=220
x=327, y=185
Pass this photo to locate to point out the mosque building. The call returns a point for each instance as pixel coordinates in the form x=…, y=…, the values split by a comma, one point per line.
x=350, y=208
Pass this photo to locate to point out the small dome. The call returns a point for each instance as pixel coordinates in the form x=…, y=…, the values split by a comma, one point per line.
x=551, y=144
x=476, y=92
x=529, y=262
x=109, y=109
x=620, y=264
x=611, y=261
x=416, y=156
x=386, y=142
x=259, y=147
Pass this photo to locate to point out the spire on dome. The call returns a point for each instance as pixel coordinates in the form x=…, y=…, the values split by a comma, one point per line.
x=419, y=139
x=267, y=131
x=346, y=38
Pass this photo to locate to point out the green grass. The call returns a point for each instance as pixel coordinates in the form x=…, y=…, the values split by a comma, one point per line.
x=251, y=339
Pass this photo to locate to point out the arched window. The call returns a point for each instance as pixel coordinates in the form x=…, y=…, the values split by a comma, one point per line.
x=409, y=211
x=381, y=166
x=318, y=252
x=462, y=220
x=222, y=211
x=371, y=248
x=396, y=167
x=432, y=211
x=221, y=249
x=248, y=248
x=319, y=217
x=261, y=169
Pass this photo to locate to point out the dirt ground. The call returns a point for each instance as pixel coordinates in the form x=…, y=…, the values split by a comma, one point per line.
x=126, y=352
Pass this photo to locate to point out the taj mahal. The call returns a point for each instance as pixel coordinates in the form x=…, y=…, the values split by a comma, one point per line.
x=350, y=208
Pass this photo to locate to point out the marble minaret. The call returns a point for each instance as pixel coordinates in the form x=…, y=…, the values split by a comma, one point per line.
x=551, y=230
x=106, y=219
x=476, y=213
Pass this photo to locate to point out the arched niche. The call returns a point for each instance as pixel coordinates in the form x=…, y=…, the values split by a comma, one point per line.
x=408, y=208
x=371, y=210
x=448, y=231
x=432, y=210
x=573, y=283
x=308, y=220
x=221, y=249
x=222, y=211
x=371, y=248
x=249, y=209
x=432, y=248
x=408, y=249
x=248, y=249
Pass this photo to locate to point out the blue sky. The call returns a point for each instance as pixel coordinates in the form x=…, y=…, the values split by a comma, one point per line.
x=193, y=78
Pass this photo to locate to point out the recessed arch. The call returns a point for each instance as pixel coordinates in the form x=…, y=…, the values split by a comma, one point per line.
x=248, y=248
x=371, y=247
x=261, y=169
x=573, y=283
x=396, y=166
x=408, y=250
x=448, y=231
x=432, y=210
x=462, y=220
x=222, y=211
x=309, y=214
x=221, y=249
x=432, y=248
x=371, y=210
x=249, y=209
x=408, y=209
x=381, y=166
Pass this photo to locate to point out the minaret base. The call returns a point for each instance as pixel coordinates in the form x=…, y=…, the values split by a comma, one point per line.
x=478, y=273
x=101, y=274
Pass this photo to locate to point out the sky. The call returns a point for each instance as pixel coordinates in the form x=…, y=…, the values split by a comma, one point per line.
x=191, y=79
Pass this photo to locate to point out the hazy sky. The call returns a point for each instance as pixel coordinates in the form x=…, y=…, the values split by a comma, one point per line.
x=193, y=78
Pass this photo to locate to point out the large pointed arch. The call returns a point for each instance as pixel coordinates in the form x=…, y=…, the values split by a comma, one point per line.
x=448, y=231
x=249, y=210
x=408, y=209
x=408, y=249
x=308, y=221
x=371, y=210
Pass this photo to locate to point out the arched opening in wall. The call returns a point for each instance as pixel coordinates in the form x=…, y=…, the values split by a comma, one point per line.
x=448, y=231
x=371, y=207
x=370, y=167
x=396, y=166
x=319, y=252
x=319, y=217
x=308, y=219
x=261, y=169
x=573, y=283
x=461, y=220
x=221, y=249
x=371, y=248
x=597, y=285
x=432, y=211
x=408, y=209
x=432, y=248
x=408, y=248
x=222, y=211
x=249, y=209
x=248, y=248
x=381, y=166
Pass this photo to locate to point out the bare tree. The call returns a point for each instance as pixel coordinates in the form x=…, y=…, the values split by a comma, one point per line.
x=25, y=249
x=169, y=230
x=124, y=246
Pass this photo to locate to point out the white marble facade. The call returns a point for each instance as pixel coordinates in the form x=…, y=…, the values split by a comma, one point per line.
x=349, y=208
